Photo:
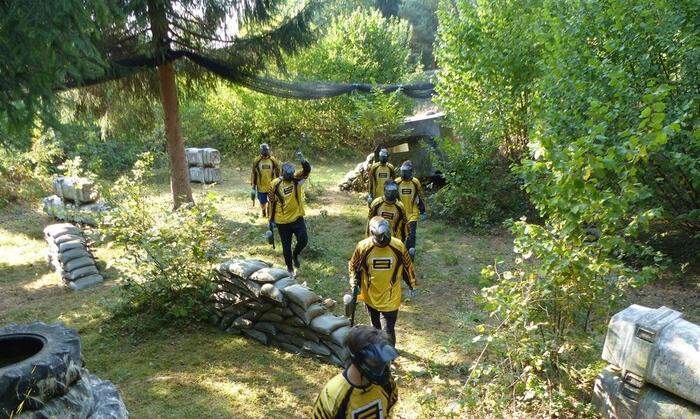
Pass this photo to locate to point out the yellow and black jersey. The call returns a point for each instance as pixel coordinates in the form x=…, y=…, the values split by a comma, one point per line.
x=380, y=271
x=411, y=196
x=341, y=400
x=264, y=170
x=286, y=197
x=378, y=175
x=394, y=213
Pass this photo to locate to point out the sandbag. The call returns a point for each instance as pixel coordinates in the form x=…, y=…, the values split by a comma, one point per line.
x=284, y=283
x=242, y=323
x=313, y=311
x=66, y=238
x=294, y=340
x=234, y=331
x=69, y=245
x=295, y=321
x=61, y=229
x=84, y=282
x=245, y=268
x=300, y=295
x=271, y=317
x=283, y=312
x=269, y=291
x=340, y=335
x=78, y=263
x=257, y=335
x=80, y=273
x=205, y=174
x=73, y=254
x=342, y=352
x=299, y=331
x=288, y=347
x=266, y=327
x=327, y=323
x=317, y=348
x=266, y=275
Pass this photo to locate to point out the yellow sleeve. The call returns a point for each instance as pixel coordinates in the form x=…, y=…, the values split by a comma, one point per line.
x=370, y=177
x=324, y=408
x=254, y=173
x=355, y=265
x=276, y=167
x=408, y=271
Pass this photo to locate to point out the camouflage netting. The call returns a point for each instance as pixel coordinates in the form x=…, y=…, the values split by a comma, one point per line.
x=42, y=376
x=356, y=179
x=268, y=305
x=75, y=200
x=69, y=256
x=203, y=165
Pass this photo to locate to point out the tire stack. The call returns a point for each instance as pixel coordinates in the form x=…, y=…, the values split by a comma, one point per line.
x=69, y=256
x=42, y=376
x=356, y=179
x=266, y=304
x=203, y=165
x=654, y=369
x=75, y=200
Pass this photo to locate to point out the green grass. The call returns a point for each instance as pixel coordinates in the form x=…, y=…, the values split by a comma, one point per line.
x=202, y=372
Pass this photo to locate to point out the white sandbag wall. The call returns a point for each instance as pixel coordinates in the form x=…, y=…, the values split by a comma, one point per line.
x=69, y=256
x=654, y=370
x=203, y=164
x=356, y=179
x=75, y=200
x=266, y=304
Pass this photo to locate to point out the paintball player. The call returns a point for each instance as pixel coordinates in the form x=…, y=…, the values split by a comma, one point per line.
x=391, y=209
x=286, y=197
x=377, y=267
x=265, y=168
x=411, y=195
x=379, y=173
x=366, y=388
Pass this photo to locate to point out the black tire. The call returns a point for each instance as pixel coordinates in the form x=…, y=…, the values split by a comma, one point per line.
x=37, y=362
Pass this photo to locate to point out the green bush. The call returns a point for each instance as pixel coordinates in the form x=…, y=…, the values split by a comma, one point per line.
x=168, y=255
x=361, y=46
x=26, y=176
x=482, y=189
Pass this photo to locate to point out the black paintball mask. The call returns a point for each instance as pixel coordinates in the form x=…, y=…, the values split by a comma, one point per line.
x=380, y=231
x=391, y=191
x=374, y=360
x=406, y=170
x=288, y=171
x=264, y=150
x=383, y=156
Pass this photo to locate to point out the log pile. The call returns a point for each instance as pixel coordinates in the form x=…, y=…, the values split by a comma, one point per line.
x=75, y=199
x=356, y=179
x=266, y=304
x=69, y=256
x=203, y=164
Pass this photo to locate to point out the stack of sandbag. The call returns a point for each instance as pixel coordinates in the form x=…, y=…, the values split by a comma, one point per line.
x=75, y=200
x=264, y=303
x=356, y=179
x=69, y=256
x=654, y=370
x=203, y=164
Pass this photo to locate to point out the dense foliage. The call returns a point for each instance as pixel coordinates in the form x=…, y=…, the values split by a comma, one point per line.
x=491, y=59
x=606, y=100
x=168, y=255
x=358, y=46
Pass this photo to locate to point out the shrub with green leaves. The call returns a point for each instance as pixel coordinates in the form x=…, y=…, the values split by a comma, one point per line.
x=168, y=255
x=359, y=46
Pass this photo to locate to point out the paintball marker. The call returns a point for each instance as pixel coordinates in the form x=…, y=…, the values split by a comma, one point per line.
x=253, y=193
x=270, y=234
x=350, y=302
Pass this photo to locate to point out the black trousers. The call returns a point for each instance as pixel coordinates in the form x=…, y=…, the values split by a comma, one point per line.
x=298, y=229
x=384, y=320
x=411, y=239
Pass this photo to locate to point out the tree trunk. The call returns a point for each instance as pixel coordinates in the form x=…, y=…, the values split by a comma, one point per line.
x=179, y=177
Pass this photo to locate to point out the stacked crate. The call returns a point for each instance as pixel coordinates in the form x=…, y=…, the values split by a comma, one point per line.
x=204, y=165
x=75, y=200
x=654, y=370
x=69, y=255
x=266, y=304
